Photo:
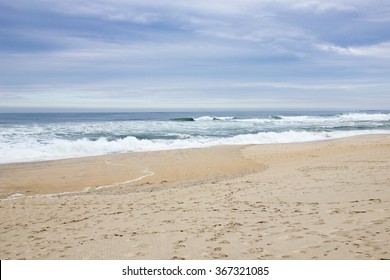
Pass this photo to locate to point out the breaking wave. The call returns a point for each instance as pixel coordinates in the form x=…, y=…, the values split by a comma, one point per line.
x=60, y=148
x=46, y=137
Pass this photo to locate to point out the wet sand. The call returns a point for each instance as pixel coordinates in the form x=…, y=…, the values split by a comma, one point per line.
x=317, y=200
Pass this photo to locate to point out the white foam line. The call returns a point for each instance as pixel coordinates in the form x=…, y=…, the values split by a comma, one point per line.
x=19, y=195
x=60, y=194
x=150, y=173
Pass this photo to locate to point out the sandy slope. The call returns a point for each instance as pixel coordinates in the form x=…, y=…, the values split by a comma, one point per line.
x=319, y=200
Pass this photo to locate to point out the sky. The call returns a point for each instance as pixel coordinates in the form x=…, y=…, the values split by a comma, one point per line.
x=129, y=55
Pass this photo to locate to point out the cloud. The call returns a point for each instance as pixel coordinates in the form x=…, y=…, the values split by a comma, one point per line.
x=165, y=51
x=381, y=50
x=273, y=25
x=322, y=6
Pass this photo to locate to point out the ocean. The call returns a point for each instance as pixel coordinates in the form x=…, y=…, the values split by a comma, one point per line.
x=28, y=137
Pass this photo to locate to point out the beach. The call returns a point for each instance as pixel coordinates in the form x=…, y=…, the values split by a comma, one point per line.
x=325, y=199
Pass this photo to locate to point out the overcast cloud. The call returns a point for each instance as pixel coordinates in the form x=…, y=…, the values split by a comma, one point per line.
x=172, y=54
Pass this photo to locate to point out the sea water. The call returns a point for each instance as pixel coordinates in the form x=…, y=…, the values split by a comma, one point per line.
x=46, y=136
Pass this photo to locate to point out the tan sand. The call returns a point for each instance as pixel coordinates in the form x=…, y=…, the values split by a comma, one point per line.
x=319, y=200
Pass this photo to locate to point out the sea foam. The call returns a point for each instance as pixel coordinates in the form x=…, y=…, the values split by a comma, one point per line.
x=45, y=137
x=60, y=148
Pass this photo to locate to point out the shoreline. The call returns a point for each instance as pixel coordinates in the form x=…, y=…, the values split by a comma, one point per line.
x=327, y=199
x=105, y=171
x=86, y=185
x=208, y=146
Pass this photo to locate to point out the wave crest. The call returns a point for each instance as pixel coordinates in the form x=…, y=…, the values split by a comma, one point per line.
x=59, y=148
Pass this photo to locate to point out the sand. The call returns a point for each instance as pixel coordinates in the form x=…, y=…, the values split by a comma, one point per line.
x=317, y=200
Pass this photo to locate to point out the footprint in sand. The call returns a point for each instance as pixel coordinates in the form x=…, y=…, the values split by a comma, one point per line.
x=256, y=250
x=219, y=256
x=179, y=244
x=177, y=258
x=285, y=257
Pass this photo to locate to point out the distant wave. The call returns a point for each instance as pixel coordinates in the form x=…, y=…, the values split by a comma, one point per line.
x=364, y=117
x=340, y=117
x=354, y=117
x=183, y=119
x=208, y=118
x=203, y=119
